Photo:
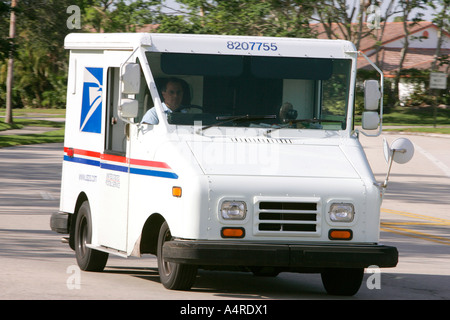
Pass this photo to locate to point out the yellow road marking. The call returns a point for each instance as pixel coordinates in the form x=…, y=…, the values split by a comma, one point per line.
x=395, y=227
x=415, y=215
x=417, y=223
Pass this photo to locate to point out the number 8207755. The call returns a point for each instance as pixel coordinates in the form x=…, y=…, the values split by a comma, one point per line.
x=252, y=46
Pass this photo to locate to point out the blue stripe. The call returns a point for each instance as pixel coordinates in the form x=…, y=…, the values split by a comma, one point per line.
x=107, y=166
x=154, y=173
x=90, y=162
x=113, y=167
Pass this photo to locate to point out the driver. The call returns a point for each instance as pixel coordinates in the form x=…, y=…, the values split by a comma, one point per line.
x=287, y=112
x=172, y=94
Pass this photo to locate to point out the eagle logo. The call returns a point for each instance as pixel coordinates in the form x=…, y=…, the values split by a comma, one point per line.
x=91, y=106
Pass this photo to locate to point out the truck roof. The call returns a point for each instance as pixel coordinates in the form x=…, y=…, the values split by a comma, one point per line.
x=210, y=44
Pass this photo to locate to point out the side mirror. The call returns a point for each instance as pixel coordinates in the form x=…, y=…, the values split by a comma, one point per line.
x=129, y=108
x=130, y=82
x=372, y=95
x=401, y=150
x=131, y=78
x=370, y=120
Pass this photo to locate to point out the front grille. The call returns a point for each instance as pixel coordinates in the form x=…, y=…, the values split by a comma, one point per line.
x=282, y=217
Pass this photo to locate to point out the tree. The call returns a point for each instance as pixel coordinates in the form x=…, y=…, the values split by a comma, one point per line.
x=9, y=77
x=5, y=43
x=234, y=17
x=441, y=19
x=388, y=12
x=40, y=60
x=119, y=15
x=406, y=7
x=342, y=20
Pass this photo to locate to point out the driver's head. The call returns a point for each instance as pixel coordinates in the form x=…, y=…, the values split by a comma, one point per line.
x=173, y=94
x=285, y=108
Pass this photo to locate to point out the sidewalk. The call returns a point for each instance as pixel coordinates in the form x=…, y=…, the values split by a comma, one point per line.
x=27, y=130
x=32, y=129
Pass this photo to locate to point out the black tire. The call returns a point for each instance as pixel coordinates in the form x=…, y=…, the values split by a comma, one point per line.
x=88, y=259
x=265, y=271
x=342, y=281
x=173, y=276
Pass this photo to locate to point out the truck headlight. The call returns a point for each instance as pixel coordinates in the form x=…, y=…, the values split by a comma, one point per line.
x=233, y=210
x=342, y=212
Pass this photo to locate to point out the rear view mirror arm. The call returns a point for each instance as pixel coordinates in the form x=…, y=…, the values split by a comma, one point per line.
x=126, y=120
x=381, y=98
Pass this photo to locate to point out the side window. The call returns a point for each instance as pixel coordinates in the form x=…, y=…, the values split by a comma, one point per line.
x=144, y=98
x=115, y=128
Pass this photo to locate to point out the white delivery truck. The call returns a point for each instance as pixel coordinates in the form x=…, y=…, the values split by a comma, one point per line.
x=218, y=151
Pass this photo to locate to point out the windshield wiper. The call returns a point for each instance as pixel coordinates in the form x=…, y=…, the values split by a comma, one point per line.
x=246, y=117
x=301, y=120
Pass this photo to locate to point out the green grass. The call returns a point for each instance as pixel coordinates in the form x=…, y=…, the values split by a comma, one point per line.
x=47, y=137
x=38, y=123
x=20, y=123
x=5, y=126
x=54, y=136
x=414, y=117
x=35, y=112
x=443, y=130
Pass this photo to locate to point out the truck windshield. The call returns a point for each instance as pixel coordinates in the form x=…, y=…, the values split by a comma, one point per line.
x=256, y=91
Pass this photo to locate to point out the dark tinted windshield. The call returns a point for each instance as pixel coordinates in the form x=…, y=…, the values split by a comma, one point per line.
x=257, y=91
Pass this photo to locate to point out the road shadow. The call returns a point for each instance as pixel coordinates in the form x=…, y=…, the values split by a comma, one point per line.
x=290, y=286
x=140, y=272
x=417, y=188
x=32, y=244
x=235, y=284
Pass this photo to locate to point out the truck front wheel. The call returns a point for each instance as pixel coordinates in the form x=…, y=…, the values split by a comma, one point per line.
x=88, y=259
x=174, y=276
x=342, y=281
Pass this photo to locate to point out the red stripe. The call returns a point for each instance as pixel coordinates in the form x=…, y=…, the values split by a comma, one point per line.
x=154, y=164
x=87, y=153
x=110, y=157
x=84, y=152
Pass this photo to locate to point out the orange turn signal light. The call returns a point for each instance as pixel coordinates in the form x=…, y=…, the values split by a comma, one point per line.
x=176, y=192
x=232, y=232
x=339, y=234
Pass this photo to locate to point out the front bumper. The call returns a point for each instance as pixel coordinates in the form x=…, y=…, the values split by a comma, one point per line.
x=226, y=253
x=59, y=222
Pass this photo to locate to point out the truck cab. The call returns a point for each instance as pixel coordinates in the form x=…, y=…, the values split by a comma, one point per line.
x=256, y=166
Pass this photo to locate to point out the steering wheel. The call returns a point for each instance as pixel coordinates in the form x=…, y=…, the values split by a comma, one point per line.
x=189, y=107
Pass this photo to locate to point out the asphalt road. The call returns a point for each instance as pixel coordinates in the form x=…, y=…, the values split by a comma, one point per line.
x=34, y=264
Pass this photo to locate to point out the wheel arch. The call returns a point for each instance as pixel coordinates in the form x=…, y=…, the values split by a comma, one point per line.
x=73, y=217
x=150, y=232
